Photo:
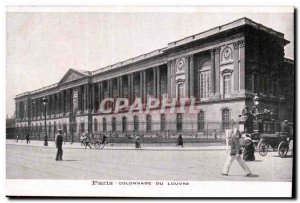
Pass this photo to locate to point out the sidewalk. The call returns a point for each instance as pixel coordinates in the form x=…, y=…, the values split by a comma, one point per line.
x=130, y=146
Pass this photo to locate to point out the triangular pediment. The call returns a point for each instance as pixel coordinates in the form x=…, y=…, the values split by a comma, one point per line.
x=72, y=75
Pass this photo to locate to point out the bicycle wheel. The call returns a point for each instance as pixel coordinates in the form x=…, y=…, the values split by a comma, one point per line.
x=97, y=145
x=283, y=149
x=263, y=149
x=101, y=146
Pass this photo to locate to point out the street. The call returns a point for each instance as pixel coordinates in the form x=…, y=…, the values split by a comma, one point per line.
x=38, y=162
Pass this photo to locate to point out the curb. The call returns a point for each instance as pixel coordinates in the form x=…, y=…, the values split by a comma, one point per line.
x=141, y=149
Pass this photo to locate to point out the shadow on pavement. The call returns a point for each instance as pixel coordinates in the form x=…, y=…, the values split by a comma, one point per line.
x=286, y=157
x=71, y=160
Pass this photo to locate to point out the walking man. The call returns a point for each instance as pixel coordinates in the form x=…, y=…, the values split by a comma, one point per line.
x=27, y=138
x=235, y=153
x=58, y=143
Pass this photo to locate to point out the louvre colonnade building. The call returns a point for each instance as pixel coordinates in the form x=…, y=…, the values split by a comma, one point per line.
x=222, y=68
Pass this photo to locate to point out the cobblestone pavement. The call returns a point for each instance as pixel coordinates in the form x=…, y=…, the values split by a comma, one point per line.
x=37, y=162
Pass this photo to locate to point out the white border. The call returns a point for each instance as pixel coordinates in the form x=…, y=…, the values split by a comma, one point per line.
x=77, y=188
x=275, y=188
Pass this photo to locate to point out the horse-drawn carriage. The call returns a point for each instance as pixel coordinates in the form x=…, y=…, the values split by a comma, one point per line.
x=266, y=134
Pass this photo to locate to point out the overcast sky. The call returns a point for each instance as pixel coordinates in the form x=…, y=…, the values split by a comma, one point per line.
x=42, y=46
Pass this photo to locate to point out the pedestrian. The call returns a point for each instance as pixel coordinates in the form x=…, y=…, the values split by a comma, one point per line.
x=285, y=129
x=249, y=149
x=137, y=141
x=82, y=137
x=214, y=134
x=58, y=143
x=17, y=138
x=179, y=141
x=87, y=141
x=235, y=153
x=27, y=138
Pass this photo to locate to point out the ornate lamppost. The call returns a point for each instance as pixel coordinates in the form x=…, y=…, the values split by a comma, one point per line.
x=45, y=100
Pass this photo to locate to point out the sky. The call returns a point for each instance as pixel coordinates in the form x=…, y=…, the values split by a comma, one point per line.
x=42, y=46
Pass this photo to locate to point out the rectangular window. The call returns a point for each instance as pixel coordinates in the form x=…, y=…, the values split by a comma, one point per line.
x=227, y=84
x=204, y=84
x=82, y=127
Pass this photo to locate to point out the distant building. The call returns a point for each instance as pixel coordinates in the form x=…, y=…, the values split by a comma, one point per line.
x=222, y=68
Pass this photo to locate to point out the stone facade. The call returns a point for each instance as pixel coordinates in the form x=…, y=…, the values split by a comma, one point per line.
x=222, y=69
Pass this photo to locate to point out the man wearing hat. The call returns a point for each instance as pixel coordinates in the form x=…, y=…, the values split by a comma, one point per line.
x=235, y=154
x=58, y=143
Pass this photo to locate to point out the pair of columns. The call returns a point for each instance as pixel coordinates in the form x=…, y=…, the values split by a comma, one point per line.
x=130, y=86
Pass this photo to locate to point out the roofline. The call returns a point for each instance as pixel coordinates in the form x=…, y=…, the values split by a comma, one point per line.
x=216, y=30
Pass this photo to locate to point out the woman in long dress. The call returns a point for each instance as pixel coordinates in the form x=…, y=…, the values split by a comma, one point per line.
x=249, y=149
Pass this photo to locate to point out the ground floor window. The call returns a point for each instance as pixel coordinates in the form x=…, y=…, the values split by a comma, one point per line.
x=124, y=124
x=113, y=124
x=163, y=122
x=104, y=125
x=135, y=123
x=179, y=122
x=95, y=125
x=201, y=121
x=82, y=127
x=148, y=123
x=225, y=119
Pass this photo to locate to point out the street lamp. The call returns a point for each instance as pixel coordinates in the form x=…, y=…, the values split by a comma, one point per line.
x=45, y=100
x=256, y=100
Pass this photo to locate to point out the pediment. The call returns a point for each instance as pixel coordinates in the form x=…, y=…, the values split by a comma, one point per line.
x=71, y=75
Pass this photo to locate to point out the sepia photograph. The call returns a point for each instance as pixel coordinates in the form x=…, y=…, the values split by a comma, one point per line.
x=150, y=101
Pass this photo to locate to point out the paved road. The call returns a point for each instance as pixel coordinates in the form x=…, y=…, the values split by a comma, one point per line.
x=34, y=162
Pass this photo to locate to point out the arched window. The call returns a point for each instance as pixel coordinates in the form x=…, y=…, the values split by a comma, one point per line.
x=204, y=79
x=179, y=122
x=104, y=125
x=135, y=123
x=148, y=123
x=201, y=121
x=163, y=122
x=95, y=125
x=113, y=124
x=124, y=124
x=225, y=119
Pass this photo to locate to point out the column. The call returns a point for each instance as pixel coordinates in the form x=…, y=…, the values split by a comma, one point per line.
x=118, y=87
x=169, y=79
x=84, y=97
x=132, y=87
x=93, y=97
x=141, y=84
x=68, y=100
x=56, y=103
x=100, y=91
x=121, y=86
x=89, y=96
x=154, y=93
x=158, y=82
x=217, y=72
x=42, y=107
x=53, y=104
x=128, y=87
x=242, y=65
x=62, y=102
x=144, y=86
x=48, y=105
x=191, y=77
x=236, y=67
x=212, y=73
x=17, y=111
x=187, y=76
